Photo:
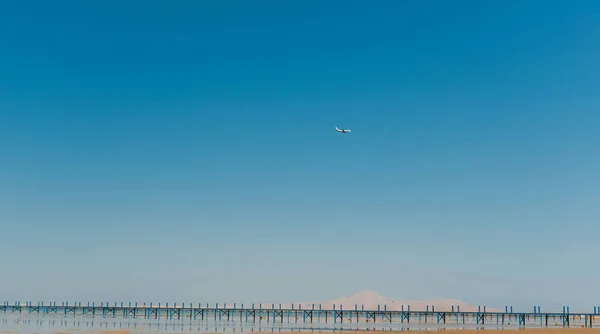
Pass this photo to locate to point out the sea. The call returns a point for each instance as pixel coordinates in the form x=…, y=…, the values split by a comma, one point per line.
x=58, y=323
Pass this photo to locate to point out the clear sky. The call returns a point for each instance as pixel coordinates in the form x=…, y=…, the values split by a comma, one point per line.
x=185, y=151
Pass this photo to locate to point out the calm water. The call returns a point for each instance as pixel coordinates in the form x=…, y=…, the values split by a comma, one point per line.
x=49, y=323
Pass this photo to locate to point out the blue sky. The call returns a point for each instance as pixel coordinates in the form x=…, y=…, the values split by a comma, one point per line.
x=186, y=152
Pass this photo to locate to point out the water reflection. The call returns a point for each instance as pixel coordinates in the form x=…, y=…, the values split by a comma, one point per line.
x=48, y=323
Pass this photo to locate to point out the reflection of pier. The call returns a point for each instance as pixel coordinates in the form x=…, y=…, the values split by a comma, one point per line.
x=311, y=315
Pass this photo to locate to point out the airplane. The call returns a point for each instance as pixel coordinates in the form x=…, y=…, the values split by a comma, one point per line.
x=342, y=130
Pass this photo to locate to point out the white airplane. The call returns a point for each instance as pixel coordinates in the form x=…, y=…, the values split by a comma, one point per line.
x=342, y=130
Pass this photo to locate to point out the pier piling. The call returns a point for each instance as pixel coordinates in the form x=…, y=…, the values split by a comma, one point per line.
x=297, y=314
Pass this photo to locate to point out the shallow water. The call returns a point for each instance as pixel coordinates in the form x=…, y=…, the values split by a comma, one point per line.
x=50, y=323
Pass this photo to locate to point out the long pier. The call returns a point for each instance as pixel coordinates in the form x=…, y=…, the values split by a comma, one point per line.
x=310, y=315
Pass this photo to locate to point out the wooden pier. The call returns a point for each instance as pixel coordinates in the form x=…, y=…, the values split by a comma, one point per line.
x=310, y=315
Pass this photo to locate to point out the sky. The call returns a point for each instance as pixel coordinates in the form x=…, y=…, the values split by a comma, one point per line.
x=186, y=151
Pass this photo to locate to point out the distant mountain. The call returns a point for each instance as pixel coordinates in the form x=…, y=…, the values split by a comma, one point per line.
x=371, y=300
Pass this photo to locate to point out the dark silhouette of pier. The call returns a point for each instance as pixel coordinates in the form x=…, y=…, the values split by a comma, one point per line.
x=314, y=314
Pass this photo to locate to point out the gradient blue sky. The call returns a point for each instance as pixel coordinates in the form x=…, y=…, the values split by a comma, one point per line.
x=185, y=151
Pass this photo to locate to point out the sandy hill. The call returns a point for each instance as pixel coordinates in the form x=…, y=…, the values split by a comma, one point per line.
x=371, y=300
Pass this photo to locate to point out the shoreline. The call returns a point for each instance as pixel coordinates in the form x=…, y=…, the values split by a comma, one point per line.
x=454, y=330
